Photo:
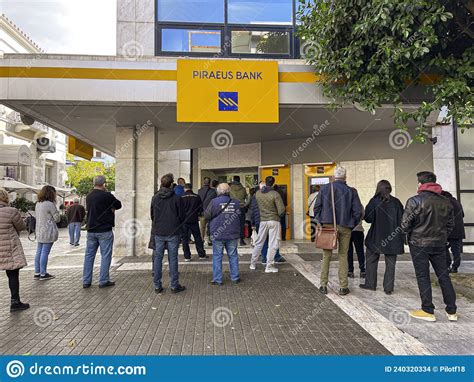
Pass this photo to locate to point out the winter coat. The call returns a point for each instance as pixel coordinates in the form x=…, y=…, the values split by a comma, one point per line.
x=458, y=232
x=385, y=234
x=270, y=204
x=206, y=193
x=237, y=191
x=47, y=217
x=428, y=219
x=11, y=251
x=167, y=213
x=192, y=205
x=346, y=201
x=224, y=224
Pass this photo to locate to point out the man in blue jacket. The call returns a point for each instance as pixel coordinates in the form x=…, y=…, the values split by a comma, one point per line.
x=348, y=211
x=167, y=216
x=223, y=214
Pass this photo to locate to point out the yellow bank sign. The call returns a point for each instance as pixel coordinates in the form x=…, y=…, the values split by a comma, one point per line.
x=227, y=91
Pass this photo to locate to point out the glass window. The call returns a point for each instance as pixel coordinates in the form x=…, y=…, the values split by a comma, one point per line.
x=466, y=174
x=203, y=11
x=261, y=42
x=467, y=201
x=190, y=40
x=466, y=143
x=469, y=234
x=260, y=12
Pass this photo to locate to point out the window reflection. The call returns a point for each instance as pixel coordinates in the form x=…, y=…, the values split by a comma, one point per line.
x=260, y=12
x=190, y=40
x=260, y=42
x=203, y=11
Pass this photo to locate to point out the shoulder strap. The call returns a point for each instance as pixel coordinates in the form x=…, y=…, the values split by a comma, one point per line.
x=333, y=206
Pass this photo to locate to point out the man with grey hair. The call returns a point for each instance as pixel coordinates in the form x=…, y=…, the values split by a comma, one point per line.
x=348, y=212
x=75, y=217
x=223, y=214
x=101, y=207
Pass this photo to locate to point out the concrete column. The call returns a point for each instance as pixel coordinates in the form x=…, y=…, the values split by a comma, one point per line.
x=298, y=203
x=136, y=169
x=444, y=164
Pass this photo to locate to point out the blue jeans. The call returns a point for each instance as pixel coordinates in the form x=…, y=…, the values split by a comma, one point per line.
x=41, y=259
x=172, y=244
x=74, y=233
x=265, y=250
x=217, y=254
x=104, y=240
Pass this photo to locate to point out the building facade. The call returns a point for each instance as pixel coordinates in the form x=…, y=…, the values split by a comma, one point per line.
x=131, y=107
x=43, y=161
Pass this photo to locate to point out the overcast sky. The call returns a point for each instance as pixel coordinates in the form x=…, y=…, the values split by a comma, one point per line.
x=66, y=26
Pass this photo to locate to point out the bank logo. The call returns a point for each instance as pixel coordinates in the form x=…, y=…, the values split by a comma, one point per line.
x=228, y=101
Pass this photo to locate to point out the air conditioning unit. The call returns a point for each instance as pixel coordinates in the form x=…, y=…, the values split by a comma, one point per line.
x=45, y=145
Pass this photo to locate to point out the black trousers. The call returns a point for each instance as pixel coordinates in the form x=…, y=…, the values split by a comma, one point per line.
x=422, y=257
x=14, y=283
x=242, y=223
x=372, y=264
x=456, y=249
x=188, y=229
x=357, y=241
x=283, y=227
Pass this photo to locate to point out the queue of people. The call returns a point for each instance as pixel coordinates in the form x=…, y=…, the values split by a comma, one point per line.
x=431, y=224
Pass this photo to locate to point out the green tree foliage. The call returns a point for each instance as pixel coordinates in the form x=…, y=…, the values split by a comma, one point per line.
x=370, y=52
x=81, y=175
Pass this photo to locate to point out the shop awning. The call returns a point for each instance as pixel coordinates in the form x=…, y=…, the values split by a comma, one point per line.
x=15, y=155
x=12, y=185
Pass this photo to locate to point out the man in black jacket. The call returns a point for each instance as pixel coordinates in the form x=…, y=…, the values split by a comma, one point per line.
x=206, y=193
x=101, y=207
x=192, y=206
x=167, y=215
x=428, y=220
x=456, y=236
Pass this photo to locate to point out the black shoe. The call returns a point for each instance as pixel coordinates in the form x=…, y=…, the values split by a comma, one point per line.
x=344, y=291
x=209, y=244
x=76, y=245
x=159, y=290
x=281, y=260
x=216, y=283
x=47, y=276
x=178, y=289
x=389, y=292
x=86, y=286
x=363, y=286
x=350, y=275
x=453, y=270
x=36, y=277
x=203, y=257
x=242, y=242
x=17, y=305
x=237, y=281
x=323, y=289
x=107, y=284
x=362, y=275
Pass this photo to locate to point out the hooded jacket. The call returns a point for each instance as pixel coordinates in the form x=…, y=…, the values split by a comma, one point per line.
x=237, y=191
x=167, y=213
x=270, y=204
x=428, y=218
x=458, y=232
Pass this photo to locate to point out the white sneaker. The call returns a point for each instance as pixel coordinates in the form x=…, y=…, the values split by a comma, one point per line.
x=452, y=317
x=187, y=260
x=271, y=269
x=252, y=267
